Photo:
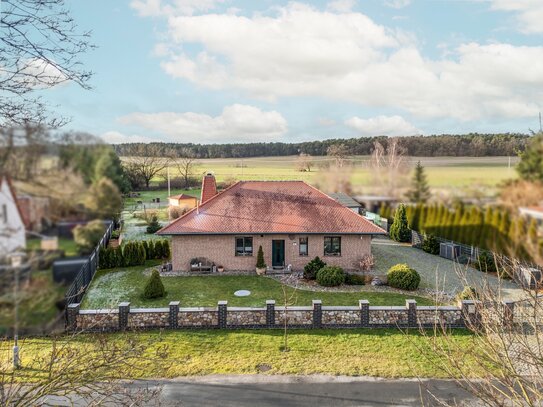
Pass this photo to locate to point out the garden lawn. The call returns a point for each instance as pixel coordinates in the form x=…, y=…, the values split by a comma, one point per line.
x=436, y=272
x=110, y=287
x=353, y=352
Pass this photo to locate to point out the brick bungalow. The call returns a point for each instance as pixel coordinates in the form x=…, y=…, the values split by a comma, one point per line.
x=291, y=220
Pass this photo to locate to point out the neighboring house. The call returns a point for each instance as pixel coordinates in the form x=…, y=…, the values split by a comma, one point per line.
x=291, y=220
x=534, y=212
x=347, y=201
x=35, y=211
x=12, y=228
x=183, y=201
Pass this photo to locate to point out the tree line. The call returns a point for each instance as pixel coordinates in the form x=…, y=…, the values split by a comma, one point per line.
x=472, y=145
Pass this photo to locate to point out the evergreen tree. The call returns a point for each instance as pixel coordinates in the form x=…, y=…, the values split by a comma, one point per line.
x=399, y=230
x=166, y=252
x=420, y=192
x=260, y=263
x=456, y=232
x=154, y=287
x=530, y=167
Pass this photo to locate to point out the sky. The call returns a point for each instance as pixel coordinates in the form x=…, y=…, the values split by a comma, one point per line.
x=220, y=71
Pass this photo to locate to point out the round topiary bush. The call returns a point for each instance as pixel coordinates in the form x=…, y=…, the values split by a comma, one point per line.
x=330, y=276
x=311, y=268
x=403, y=277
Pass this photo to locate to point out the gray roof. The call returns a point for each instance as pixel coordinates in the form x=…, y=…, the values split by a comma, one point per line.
x=345, y=200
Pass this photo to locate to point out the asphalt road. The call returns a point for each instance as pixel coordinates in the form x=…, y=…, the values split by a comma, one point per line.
x=307, y=391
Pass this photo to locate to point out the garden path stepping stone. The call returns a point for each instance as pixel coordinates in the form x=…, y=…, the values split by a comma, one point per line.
x=242, y=293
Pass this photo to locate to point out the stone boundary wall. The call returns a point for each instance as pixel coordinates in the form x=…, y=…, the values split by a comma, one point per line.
x=272, y=316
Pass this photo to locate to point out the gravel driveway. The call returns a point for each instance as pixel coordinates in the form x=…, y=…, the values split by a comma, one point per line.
x=436, y=272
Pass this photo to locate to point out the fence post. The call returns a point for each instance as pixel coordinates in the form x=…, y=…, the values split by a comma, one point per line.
x=174, y=314
x=124, y=310
x=317, y=313
x=470, y=314
x=411, y=306
x=222, y=310
x=270, y=313
x=71, y=316
x=364, y=306
x=508, y=313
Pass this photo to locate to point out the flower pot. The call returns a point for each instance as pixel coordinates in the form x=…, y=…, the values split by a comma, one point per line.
x=261, y=271
x=220, y=269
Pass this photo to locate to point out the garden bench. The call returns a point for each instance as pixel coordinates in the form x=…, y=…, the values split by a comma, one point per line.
x=201, y=264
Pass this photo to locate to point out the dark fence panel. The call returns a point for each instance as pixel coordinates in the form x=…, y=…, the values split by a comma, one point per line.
x=77, y=289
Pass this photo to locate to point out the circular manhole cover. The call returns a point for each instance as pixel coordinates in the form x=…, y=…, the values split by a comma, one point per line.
x=242, y=293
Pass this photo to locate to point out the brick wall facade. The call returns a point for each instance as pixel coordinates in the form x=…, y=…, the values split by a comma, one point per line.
x=220, y=249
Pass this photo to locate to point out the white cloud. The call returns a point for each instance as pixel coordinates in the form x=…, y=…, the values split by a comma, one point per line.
x=382, y=125
x=301, y=51
x=397, y=3
x=236, y=122
x=341, y=6
x=155, y=8
x=529, y=13
x=115, y=137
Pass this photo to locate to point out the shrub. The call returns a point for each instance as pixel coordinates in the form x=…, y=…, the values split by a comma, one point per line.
x=88, y=236
x=166, y=252
x=154, y=287
x=367, y=262
x=399, y=230
x=311, y=268
x=403, y=277
x=153, y=226
x=463, y=259
x=330, y=276
x=468, y=293
x=115, y=234
x=355, y=279
x=260, y=263
x=133, y=254
x=430, y=244
x=486, y=263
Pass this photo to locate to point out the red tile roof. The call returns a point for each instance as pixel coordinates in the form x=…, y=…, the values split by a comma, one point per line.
x=264, y=207
x=209, y=187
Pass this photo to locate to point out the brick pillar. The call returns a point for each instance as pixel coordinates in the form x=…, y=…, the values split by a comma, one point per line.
x=270, y=313
x=124, y=310
x=173, y=318
x=470, y=314
x=71, y=316
x=508, y=313
x=411, y=306
x=364, y=313
x=222, y=309
x=317, y=313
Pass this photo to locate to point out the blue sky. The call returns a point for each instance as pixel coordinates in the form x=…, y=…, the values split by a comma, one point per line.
x=216, y=71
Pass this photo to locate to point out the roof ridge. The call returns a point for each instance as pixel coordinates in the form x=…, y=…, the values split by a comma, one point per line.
x=197, y=207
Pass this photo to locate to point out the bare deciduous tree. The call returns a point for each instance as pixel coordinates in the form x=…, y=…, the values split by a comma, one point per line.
x=388, y=166
x=185, y=163
x=40, y=47
x=304, y=162
x=148, y=164
x=339, y=152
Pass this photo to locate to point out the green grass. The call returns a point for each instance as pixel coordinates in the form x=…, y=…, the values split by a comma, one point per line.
x=110, y=287
x=147, y=196
x=37, y=302
x=353, y=352
x=68, y=245
x=442, y=172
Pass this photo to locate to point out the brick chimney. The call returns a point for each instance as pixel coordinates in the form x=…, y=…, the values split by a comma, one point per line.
x=209, y=187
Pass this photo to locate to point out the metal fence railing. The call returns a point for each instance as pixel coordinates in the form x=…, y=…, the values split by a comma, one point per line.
x=77, y=289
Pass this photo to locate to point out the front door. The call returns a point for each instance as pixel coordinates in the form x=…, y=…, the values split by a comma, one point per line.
x=278, y=253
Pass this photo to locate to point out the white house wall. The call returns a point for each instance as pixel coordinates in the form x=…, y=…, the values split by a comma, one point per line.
x=12, y=229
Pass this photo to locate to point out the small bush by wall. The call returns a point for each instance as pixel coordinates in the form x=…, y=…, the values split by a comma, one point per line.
x=430, y=245
x=403, y=277
x=311, y=268
x=330, y=276
x=486, y=262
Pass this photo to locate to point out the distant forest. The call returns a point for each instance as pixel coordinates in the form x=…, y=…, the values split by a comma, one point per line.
x=472, y=145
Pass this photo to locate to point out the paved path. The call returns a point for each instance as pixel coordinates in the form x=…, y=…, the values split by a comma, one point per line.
x=261, y=390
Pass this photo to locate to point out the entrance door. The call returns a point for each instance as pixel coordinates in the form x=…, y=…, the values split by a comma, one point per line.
x=278, y=253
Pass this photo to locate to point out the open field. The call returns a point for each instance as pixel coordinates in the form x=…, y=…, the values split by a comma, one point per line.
x=110, y=287
x=356, y=352
x=442, y=172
